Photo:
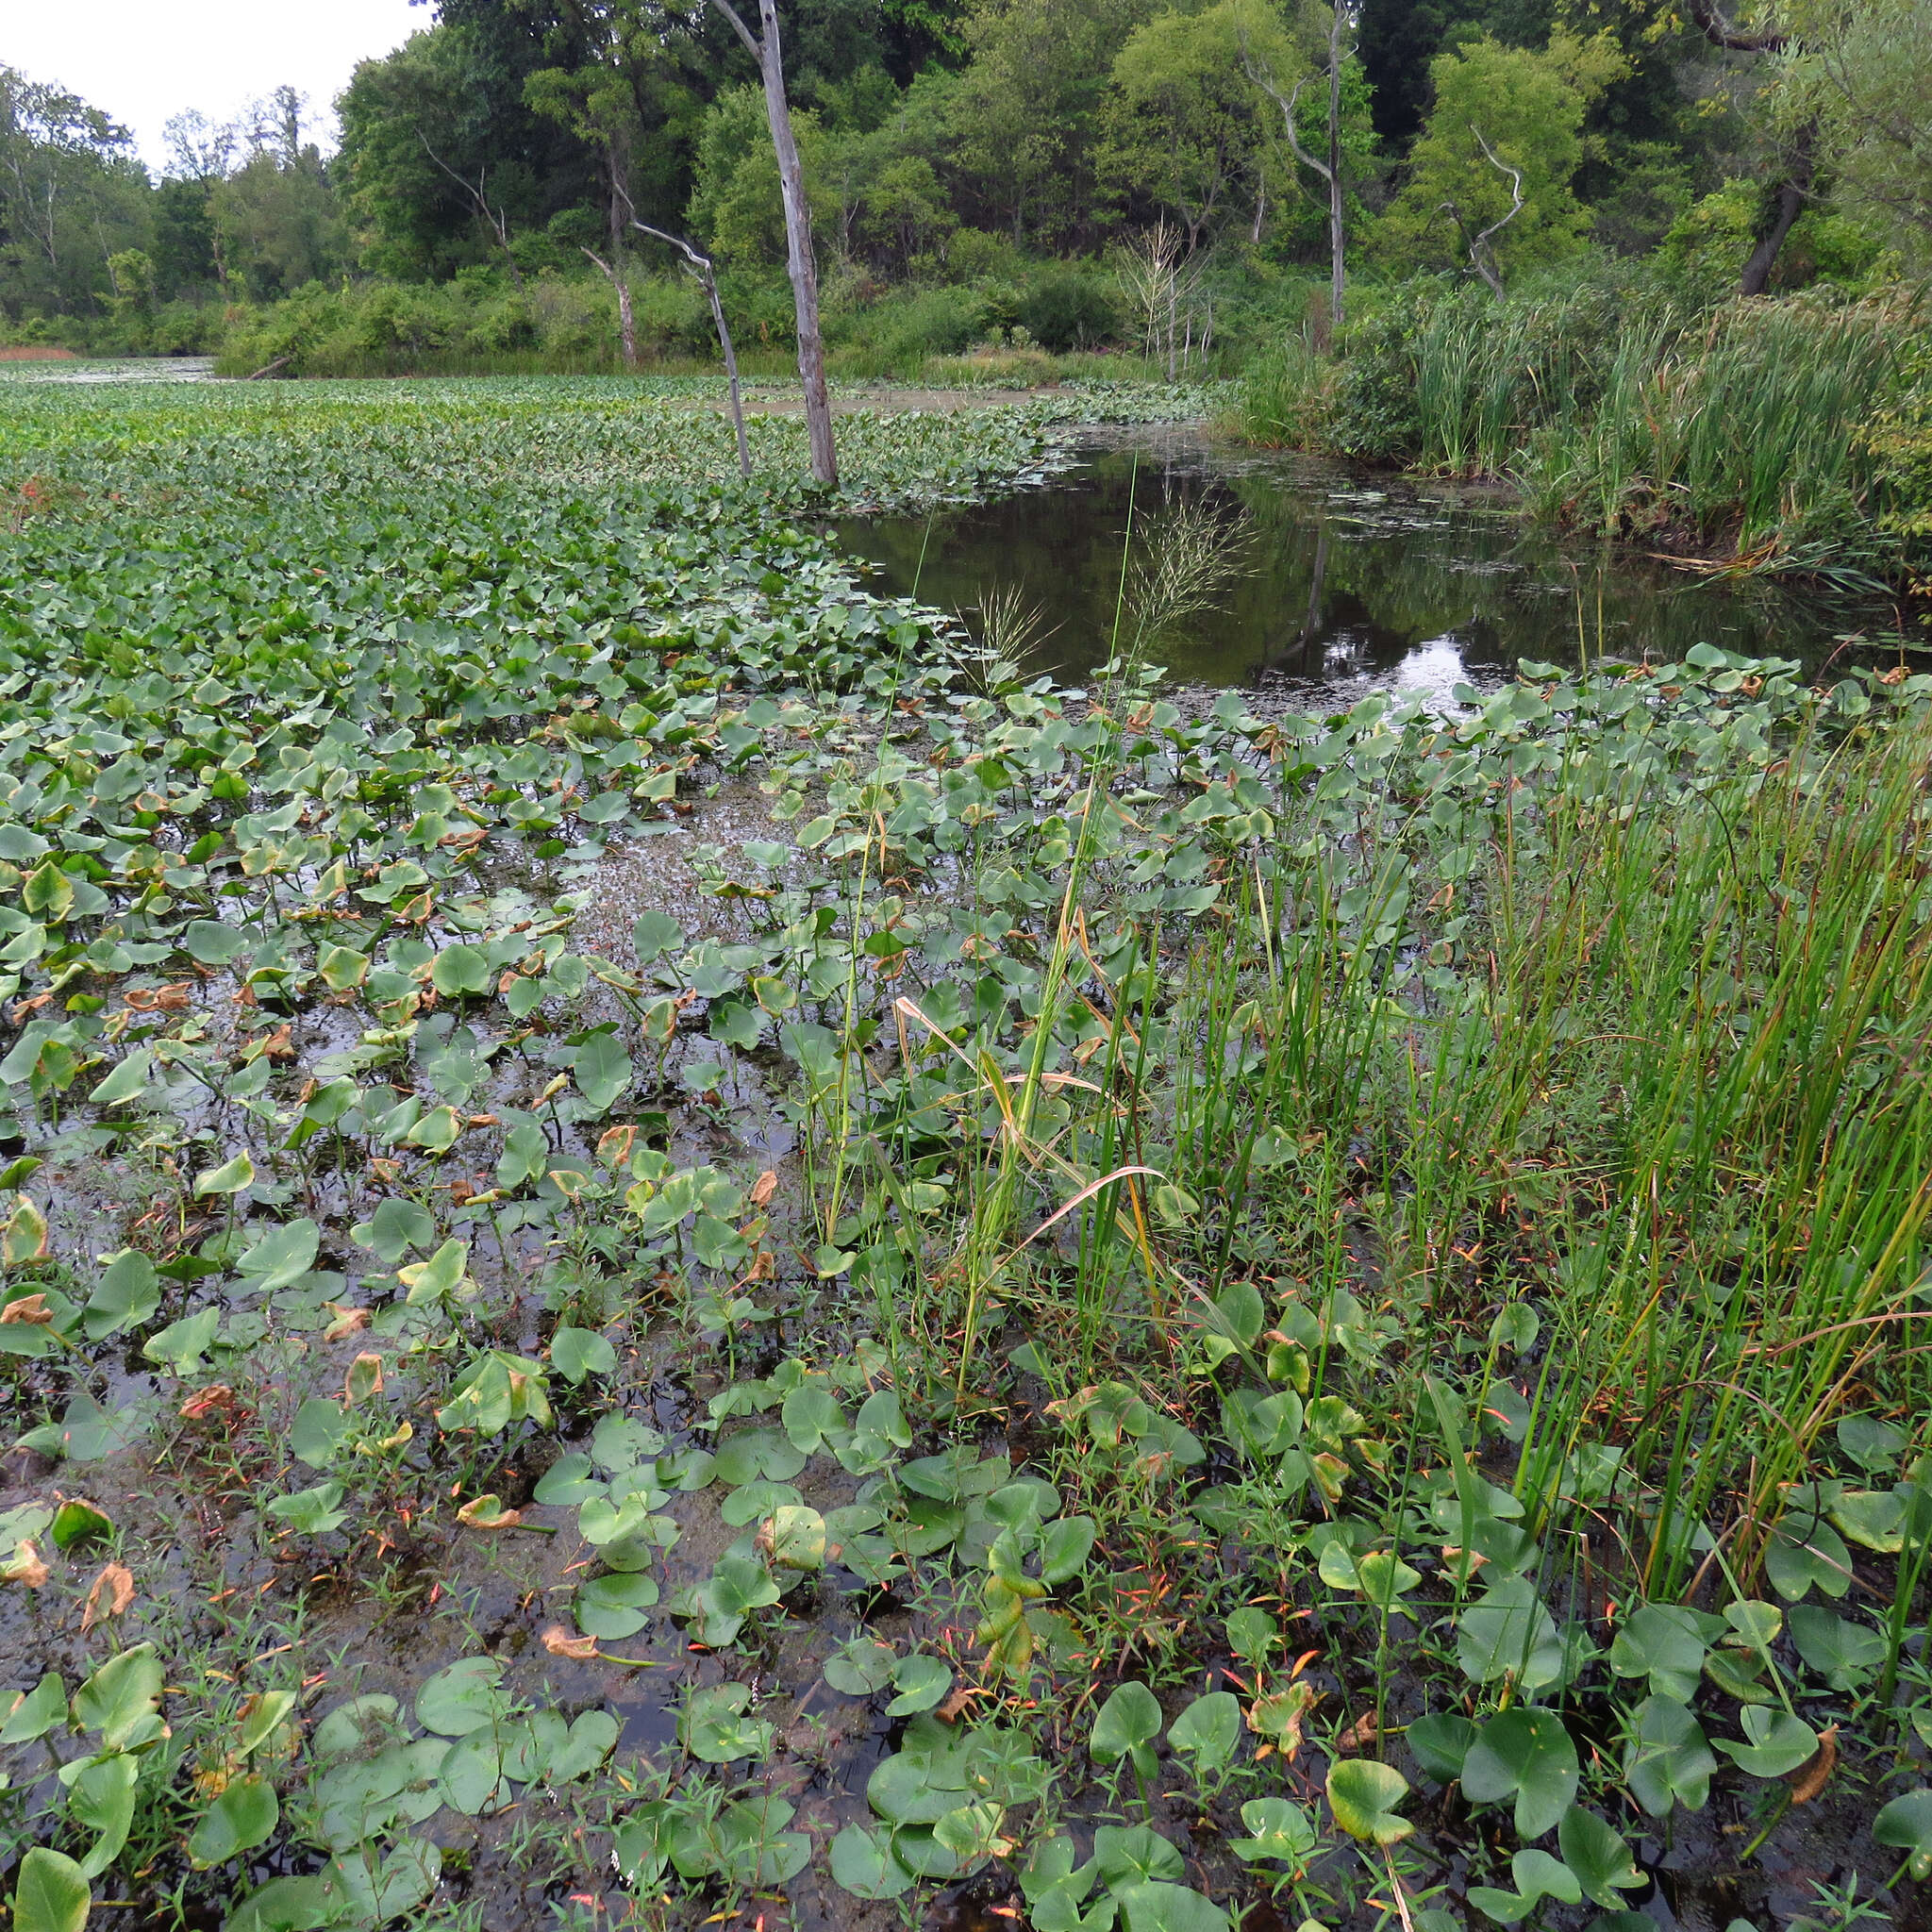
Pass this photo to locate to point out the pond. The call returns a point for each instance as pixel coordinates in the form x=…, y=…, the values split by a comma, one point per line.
x=1349, y=582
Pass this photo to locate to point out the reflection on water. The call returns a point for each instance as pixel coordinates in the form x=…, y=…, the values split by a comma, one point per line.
x=1349, y=585
x=119, y=369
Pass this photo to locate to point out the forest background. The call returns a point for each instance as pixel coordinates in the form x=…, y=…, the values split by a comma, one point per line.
x=984, y=178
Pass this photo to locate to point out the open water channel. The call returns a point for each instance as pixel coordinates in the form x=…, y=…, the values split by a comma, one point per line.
x=1348, y=582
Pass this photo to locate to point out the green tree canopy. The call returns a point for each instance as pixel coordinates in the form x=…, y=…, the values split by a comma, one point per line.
x=1186, y=128
x=1529, y=106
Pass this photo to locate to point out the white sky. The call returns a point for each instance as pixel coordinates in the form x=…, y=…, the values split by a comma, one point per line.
x=142, y=60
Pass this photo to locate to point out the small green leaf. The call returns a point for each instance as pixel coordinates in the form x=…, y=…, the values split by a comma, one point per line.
x=576, y=1353
x=311, y=1511
x=1127, y=1724
x=50, y=1893
x=1666, y=1643
x=860, y=1666
x=458, y=970
x=231, y=1178
x=1537, y=1877
x=1441, y=1745
x=341, y=967
x=284, y=1904
x=244, y=1816
x=811, y=1415
x=128, y=1295
x=1775, y=1742
x=1157, y=1907
x=797, y=1536
x=1842, y=1652
x=921, y=1682
x=440, y=1277
x=1599, y=1858
x=713, y=1726
x=119, y=1701
x=1363, y=1794
x=461, y=1698
x=1207, y=1731
x=1252, y=1633
x=1279, y=1830
x=602, y=1071
x=1064, y=1549
x=33, y=1713
x=1667, y=1759
x=78, y=1522
x=863, y=1864
x=1875, y=1518
x=102, y=1801
x=1507, y=1633
x=614, y=1606
x=282, y=1256
x=320, y=1429
x=213, y=943
x=1905, y=1825
x=126, y=1082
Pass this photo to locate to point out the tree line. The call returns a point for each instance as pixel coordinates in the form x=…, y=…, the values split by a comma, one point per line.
x=936, y=138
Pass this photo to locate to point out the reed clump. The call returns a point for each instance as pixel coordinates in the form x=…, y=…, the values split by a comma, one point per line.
x=1735, y=434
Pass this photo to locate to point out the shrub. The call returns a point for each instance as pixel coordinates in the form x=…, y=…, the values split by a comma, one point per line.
x=974, y=256
x=1066, y=310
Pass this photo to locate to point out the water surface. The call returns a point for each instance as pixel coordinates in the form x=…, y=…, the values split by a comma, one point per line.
x=1348, y=582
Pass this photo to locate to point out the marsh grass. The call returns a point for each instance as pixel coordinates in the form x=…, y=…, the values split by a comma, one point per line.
x=1735, y=434
x=1665, y=1091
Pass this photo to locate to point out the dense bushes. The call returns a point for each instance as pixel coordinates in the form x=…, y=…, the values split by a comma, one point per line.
x=481, y=322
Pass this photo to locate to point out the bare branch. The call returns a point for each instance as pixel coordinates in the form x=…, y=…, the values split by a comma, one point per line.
x=1287, y=107
x=1480, y=253
x=700, y=266
x=743, y=32
x=1721, y=33
x=492, y=219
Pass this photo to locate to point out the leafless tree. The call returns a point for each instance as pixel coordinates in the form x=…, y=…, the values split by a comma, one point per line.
x=765, y=49
x=1480, y=252
x=1330, y=170
x=700, y=266
x=621, y=212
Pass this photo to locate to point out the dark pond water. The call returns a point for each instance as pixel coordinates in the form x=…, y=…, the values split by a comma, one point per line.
x=1349, y=582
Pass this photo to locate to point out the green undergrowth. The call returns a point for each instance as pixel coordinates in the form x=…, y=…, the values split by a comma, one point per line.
x=676, y=1252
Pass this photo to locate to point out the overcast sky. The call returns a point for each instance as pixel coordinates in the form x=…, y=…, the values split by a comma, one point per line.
x=142, y=60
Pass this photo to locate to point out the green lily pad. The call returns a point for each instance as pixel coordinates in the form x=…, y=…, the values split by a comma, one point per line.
x=1905, y=1825
x=1666, y=1758
x=1528, y=1756
x=1775, y=1742
x=1508, y=1634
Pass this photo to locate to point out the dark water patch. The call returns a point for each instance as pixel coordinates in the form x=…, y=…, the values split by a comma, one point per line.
x=1349, y=582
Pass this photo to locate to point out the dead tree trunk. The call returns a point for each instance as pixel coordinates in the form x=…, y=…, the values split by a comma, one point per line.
x=620, y=211
x=1794, y=190
x=700, y=266
x=765, y=49
x=1330, y=170
x=1480, y=252
x=626, y=321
